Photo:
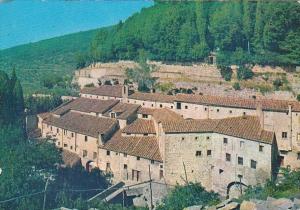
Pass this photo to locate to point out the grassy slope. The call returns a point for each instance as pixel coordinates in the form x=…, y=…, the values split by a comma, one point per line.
x=36, y=60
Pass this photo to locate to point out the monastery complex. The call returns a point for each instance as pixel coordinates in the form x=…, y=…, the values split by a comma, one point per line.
x=217, y=141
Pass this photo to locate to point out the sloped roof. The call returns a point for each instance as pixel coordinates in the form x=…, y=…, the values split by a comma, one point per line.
x=266, y=104
x=140, y=126
x=85, y=105
x=166, y=115
x=145, y=146
x=155, y=97
x=82, y=123
x=104, y=90
x=70, y=159
x=144, y=110
x=247, y=127
x=125, y=110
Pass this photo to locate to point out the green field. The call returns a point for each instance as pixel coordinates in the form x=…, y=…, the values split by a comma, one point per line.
x=35, y=61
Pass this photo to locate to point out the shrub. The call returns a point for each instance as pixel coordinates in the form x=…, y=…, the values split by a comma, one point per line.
x=226, y=72
x=277, y=83
x=188, y=195
x=298, y=97
x=236, y=86
x=244, y=73
x=90, y=85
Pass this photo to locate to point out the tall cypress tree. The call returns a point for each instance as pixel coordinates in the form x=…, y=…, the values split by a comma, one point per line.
x=259, y=26
x=4, y=99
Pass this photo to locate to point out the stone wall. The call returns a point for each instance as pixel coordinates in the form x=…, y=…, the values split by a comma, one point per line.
x=202, y=158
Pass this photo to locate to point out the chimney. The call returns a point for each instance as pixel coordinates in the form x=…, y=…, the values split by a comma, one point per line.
x=260, y=115
x=125, y=91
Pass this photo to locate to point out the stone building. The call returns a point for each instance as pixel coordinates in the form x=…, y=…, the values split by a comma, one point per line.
x=223, y=143
x=280, y=116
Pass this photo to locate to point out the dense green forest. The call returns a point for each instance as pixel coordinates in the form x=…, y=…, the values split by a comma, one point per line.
x=239, y=32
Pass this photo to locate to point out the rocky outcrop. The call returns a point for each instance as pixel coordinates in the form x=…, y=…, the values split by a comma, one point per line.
x=253, y=204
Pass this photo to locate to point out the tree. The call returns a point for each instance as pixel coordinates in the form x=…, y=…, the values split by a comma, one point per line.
x=188, y=195
x=244, y=73
x=226, y=72
x=142, y=74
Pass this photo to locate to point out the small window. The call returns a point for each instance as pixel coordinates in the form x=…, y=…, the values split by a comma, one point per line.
x=228, y=157
x=160, y=105
x=71, y=147
x=58, y=143
x=230, y=111
x=85, y=138
x=108, y=153
x=242, y=144
x=261, y=148
x=198, y=153
x=240, y=176
x=182, y=138
x=113, y=115
x=145, y=134
x=72, y=135
x=218, y=110
x=221, y=171
x=208, y=152
x=253, y=164
x=240, y=161
x=51, y=128
x=143, y=104
x=145, y=116
x=152, y=105
x=117, y=153
x=57, y=130
x=125, y=155
x=95, y=155
x=207, y=137
x=284, y=135
x=138, y=158
x=84, y=153
x=205, y=109
x=65, y=145
x=152, y=161
x=178, y=106
x=298, y=156
x=244, y=113
x=125, y=166
x=171, y=107
x=186, y=107
x=225, y=140
x=196, y=138
x=161, y=174
x=161, y=166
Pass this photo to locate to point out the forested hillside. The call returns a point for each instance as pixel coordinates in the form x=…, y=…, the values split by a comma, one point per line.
x=56, y=57
x=241, y=31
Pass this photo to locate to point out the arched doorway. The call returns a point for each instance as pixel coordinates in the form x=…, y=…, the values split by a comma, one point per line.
x=235, y=189
x=89, y=165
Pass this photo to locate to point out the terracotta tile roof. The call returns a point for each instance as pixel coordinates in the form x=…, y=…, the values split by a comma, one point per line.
x=82, y=123
x=143, y=110
x=123, y=110
x=165, y=114
x=105, y=90
x=70, y=159
x=160, y=115
x=155, y=97
x=145, y=146
x=247, y=127
x=140, y=126
x=266, y=104
x=86, y=105
x=44, y=115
